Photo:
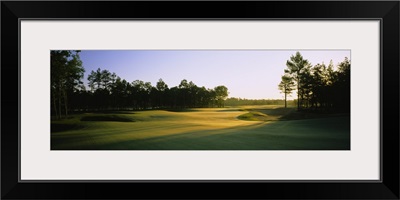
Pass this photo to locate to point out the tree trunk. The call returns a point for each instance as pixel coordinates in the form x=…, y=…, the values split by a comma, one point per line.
x=59, y=101
x=65, y=103
x=55, y=104
x=298, y=92
x=285, y=97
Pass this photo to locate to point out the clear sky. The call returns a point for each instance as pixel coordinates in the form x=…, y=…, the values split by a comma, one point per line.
x=251, y=74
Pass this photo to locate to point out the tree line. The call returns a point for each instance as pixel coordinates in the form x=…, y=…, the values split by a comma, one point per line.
x=319, y=87
x=107, y=91
x=233, y=101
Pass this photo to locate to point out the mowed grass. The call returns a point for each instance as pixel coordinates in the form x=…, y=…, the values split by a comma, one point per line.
x=244, y=128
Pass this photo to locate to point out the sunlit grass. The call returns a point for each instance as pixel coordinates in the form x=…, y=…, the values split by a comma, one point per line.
x=243, y=128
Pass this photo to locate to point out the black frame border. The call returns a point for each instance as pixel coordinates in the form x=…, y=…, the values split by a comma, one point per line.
x=386, y=11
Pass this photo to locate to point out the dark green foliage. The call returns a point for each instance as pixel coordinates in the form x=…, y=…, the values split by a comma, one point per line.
x=110, y=92
x=232, y=101
x=221, y=92
x=286, y=86
x=320, y=88
x=66, y=74
x=295, y=66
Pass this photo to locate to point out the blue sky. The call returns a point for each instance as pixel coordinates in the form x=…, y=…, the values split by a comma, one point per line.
x=251, y=74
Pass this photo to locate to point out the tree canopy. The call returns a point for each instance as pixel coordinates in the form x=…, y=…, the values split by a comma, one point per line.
x=319, y=87
x=286, y=86
x=66, y=74
x=110, y=92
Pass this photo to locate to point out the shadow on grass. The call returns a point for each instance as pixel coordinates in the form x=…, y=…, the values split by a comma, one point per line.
x=182, y=110
x=314, y=134
x=113, y=118
x=231, y=110
x=65, y=127
x=284, y=114
x=117, y=112
x=114, y=112
x=299, y=115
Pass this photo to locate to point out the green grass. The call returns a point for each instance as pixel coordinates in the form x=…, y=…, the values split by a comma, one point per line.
x=254, y=116
x=244, y=128
x=107, y=117
x=263, y=113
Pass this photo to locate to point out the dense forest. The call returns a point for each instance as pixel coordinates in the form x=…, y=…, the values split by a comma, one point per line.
x=107, y=91
x=319, y=87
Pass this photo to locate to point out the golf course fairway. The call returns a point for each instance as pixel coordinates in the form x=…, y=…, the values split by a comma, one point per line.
x=241, y=128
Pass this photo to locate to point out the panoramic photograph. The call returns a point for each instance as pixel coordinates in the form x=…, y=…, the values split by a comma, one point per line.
x=200, y=99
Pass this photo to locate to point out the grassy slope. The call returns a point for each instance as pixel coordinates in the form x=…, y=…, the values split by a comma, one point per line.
x=201, y=129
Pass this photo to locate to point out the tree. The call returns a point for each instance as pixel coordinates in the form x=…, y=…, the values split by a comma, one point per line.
x=184, y=92
x=306, y=89
x=221, y=92
x=120, y=92
x=161, y=92
x=101, y=79
x=319, y=87
x=161, y=85
x=66, y=75
x=101, y=83
x=286, y=86
x=94, y=79
x=203, y=97
x=138, y=92
x=295, y=66
x=342, y=84
x=193, y=94
x=148, y=101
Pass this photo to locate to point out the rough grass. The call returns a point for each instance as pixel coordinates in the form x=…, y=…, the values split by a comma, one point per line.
x=205, y=129
x=263, y=113
x=115, y=118
x=254, y=116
